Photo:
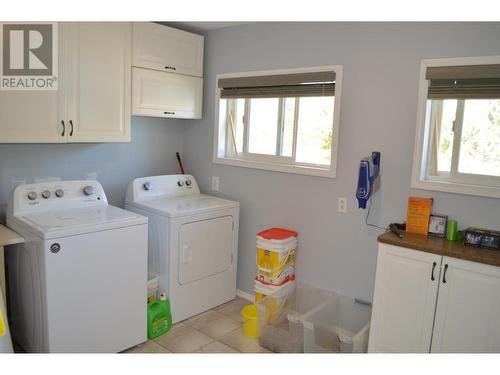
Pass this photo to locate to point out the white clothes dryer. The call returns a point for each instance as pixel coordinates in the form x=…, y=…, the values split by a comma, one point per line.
x=193, y=241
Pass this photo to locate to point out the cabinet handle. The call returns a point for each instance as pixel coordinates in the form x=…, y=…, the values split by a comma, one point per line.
x=432, y=273
x=444, y=273
x=71, y=131
x=170, y=67
x=169, y=113
x=64, y=128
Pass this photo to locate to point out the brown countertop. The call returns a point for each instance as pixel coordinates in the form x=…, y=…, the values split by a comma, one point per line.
x=442, y=246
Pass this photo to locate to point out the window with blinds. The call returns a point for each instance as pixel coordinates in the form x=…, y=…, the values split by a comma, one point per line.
x=460, y=126
x=279, y=86
x=280, y=120
x=464, y=82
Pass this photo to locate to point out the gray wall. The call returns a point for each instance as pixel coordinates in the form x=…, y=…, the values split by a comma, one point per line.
x=381, y=67
x=152, y=151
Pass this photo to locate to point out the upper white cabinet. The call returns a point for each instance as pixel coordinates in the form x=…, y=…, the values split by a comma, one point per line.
x=167, y=49
x=167, y=72
x=92, y=103
x=31, y=116
x=404, y=300
x=165, y=94
x=99, y=64
x=425, y=303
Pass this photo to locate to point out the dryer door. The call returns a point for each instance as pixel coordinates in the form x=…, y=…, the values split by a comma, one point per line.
x=205, y=248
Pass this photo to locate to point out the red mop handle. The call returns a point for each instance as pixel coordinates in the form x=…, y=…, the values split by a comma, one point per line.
x=180, y=162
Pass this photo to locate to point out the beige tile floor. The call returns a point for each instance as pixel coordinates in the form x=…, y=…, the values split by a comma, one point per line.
x=214, y=331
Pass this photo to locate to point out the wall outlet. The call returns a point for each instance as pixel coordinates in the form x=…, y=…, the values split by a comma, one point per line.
x=215, y=183
x=342, y=205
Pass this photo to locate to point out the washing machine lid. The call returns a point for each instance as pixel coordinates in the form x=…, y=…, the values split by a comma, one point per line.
x=64, y=223
x=184, y=205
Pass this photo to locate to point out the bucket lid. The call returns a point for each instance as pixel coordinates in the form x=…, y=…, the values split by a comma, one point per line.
x=270, y=289
x=265, y=283
x=277, y=245
x=277, y=234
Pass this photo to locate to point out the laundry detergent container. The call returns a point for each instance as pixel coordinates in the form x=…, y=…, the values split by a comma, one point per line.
x=280, y=316
x=342, y=325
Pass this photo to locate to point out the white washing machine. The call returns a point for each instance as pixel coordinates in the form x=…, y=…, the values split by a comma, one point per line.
x=79, y=282
x=193, y=241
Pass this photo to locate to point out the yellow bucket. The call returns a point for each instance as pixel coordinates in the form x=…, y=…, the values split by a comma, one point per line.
x=250, y=322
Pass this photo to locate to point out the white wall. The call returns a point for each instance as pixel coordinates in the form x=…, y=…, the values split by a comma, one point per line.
x=381, y=66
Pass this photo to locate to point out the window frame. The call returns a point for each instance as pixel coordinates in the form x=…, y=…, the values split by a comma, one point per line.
x=454, y=182
x=274, y=162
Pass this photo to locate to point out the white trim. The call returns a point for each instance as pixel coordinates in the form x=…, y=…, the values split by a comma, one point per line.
x=418, y=177
x=246, y=296
x=457, y=188
x=295, y=168
x=457, y=138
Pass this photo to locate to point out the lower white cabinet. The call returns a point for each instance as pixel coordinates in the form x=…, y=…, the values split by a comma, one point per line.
x=468, y=308
x=404, y=300
x=425, y=303
x=161, y=94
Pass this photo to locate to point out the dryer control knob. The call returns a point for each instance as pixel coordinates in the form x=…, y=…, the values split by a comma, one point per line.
x=180, y=183
x=45, y=194
x=148, y=186
x=188, y=182
x=59, y=193
x=32, y=195
x=88, y=190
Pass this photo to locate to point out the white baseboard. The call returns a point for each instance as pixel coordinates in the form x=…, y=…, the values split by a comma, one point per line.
x=245, y=295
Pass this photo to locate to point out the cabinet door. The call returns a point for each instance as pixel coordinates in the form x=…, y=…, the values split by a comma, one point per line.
x=199, y=258
x=34, y=116
x=30, y=117
x=100, y=65
x=468, y=308
x=160, y=94
x=167, y=49
x=406, y=288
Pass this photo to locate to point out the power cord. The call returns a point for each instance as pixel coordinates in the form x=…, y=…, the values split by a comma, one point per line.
x=368, y=214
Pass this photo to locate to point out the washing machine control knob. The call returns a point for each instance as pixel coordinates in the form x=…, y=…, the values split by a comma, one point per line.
x=180, y=183
x=88, y=190
x=59, y=193
x=147, y=186
x=188, y=182
x=32, y=195
x=45, y=194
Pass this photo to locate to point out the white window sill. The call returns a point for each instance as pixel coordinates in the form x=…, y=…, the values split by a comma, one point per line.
x=278, y=167
x=457, y=188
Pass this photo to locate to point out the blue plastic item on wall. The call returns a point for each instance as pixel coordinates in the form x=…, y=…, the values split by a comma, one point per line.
x=369, y=178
